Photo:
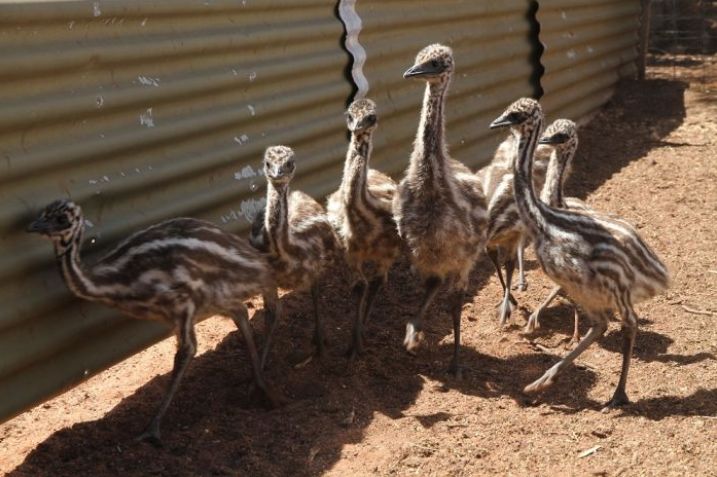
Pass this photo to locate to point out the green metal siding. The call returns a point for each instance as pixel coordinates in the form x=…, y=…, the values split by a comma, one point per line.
x=589, y=46
x=140, y=111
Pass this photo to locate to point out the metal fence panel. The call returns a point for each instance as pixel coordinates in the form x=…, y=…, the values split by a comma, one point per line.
x=589, y=45
x=142, y=110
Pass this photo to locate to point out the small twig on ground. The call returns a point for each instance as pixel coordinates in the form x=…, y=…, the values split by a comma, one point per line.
x=585, y=366
x=695, y=311
x=423, y=447
x=588, y=452
x=544, y=349
x=451, y=425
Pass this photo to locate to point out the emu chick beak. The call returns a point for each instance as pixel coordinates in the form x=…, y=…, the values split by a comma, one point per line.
x=501, y=122
x=37, y=226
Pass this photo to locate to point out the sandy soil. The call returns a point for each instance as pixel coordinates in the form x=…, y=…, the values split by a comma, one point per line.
x=649, y=156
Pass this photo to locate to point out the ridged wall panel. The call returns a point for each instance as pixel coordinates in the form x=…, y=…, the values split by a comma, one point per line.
x=588, y=46
x=139, y=111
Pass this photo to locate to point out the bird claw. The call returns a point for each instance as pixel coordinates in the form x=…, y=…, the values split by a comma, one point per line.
x=521, y=286
x=355, y=351
x=572, y=343
x=150, y=435
x=271, y=399
x=619, y=399
x=320, y=343
x=533, y=323
x=504, y=313
x=306, y=360
x=456, y=371
x=544, y=382
x=413, y=338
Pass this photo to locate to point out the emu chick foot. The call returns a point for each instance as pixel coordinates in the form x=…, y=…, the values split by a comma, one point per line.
x=150, y=435
x=533, y=323
x=544, y=382
x=413, y=338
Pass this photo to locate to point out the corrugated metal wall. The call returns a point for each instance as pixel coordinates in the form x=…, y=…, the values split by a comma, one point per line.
x=142, y=110
x=589, y=46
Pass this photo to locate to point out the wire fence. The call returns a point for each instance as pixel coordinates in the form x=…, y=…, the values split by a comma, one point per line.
x=684, y=33
x=683, y=26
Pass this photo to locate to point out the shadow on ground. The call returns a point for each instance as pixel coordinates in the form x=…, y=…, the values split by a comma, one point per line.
x=214, y=427
x=702, y=402
x=630, y=125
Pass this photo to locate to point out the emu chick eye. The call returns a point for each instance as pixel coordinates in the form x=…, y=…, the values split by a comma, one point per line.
x=515, y=117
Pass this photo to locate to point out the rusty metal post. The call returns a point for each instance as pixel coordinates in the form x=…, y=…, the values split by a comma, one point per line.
x=644, y=38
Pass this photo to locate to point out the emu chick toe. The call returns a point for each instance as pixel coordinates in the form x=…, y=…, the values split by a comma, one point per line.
x=413, y=338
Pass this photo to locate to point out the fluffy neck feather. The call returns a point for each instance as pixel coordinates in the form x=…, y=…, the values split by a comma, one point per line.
x=558, y=167
x=77, y=279
x=429, y=150
x=532, y=210
x=552, y=193
x=354, y=182
x=276, y=220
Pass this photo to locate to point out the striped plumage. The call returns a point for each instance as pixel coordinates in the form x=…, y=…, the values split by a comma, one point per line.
x=176, y=272
x=601, y=262
x=440, y=207
x=561, y=139
x=362, y=214
x=506, y=235
x=297, y=236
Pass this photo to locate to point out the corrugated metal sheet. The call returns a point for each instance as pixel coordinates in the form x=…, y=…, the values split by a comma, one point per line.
x=492, y=51
x=589, y=46
x=142, y=110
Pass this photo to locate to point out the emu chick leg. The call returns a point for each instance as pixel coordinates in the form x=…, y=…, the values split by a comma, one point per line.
x=319, y=336
x=629, y=332
x=186, y=349
x=576, y=329
x=522, y=284
x=456, y=309
x=493, y=254
x=597, y=330
x=241, y=319
x=415, y=326
x=533, y=322
x=271, y=304
x=366, y=305
x=359, y=292
x=505, y=307
x=373, y=288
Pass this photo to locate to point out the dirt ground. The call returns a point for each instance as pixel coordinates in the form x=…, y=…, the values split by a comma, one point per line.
x=649, y=156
